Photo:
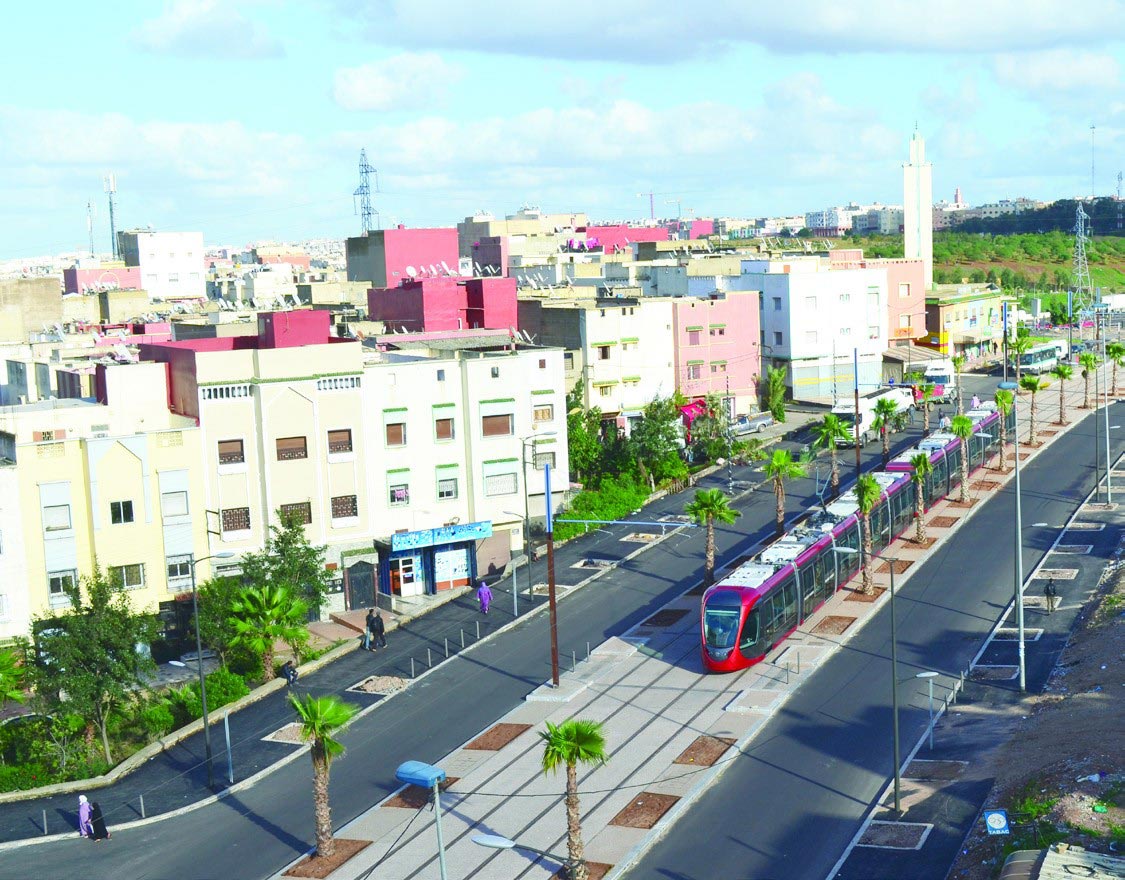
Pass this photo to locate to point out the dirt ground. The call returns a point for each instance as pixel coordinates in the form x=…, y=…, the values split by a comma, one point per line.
x=1072, y=731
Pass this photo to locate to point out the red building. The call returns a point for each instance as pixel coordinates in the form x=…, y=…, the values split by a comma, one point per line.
x=107, y=276
x=430, y=304
x=387, y=256
x=618, y=237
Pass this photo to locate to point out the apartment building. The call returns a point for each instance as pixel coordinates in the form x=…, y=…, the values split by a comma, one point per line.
x=718, y=348
x=171, y=263
x=966, y=319
x=386, y=257
x=429, y=304
x=906, y=291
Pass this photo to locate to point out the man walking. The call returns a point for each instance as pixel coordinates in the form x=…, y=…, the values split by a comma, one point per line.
x=1051, y=595
x=368, y=629
x=379, y=630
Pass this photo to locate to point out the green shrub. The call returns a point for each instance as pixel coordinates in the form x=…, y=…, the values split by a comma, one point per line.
x=158, y=719
x=245, y=663
x=614, y=499
x=185, y=704
x=224, y=686
x=21, y=777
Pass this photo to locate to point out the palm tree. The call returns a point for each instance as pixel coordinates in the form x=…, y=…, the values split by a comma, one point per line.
x=1018, y=347
x=959, y=361
x=569, y=744
x=962, y=427
x=263, y=615
x=828, y=435
x=781, y=466
x=867, y=495
x=1032, y=384
x=1005, y=400
x=11, y=678
x=1089, y=362
x=927, y=392
x=1115, y=354
x=922, y=469
x=1064, y=371
x=707, y=507
x=885, y=411
x=320, y=718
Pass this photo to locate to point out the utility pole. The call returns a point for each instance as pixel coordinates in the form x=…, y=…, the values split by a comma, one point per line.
x=651, y=203
x=858, y=434
x=109, y=184
x=363, y=193
x=1092, y=129
x=90, y=225
x=728, y=404
x=1119, y=213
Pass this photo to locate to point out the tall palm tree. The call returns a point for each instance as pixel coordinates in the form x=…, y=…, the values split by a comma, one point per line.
x=320, y=718
x=1032, y=384
x=959, y=361
x=1115, y=354
x=11, y=678
x=927, y=392
x=828, y=434
x=867, y=495
x=706, y=508
x=781, y=466
x=569, y=744
x=1064, y=371
x=922, y=469
x=1018, y=347
x=885, y=411
x=1089, y=362
x=1005, y=400
x=962, y=427
x=264, y=615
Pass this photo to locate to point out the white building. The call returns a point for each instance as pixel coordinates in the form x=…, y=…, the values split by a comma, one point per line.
x=171, y=263
x=15, y=607
x=883, y=220
x=918, y=199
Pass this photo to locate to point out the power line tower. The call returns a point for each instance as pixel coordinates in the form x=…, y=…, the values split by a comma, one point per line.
x=1093, y=128
x=109, y=184
x=363, y=192
x=1120, y=225
x=1082, y=288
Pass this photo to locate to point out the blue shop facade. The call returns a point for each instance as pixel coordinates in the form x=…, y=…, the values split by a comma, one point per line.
x=430, y=561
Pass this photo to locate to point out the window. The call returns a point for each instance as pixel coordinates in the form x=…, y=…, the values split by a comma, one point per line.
x=845, y=331
x=495, y=372
x=498, y=426
x=543, y=413
x=340, y=441
x=810, y=302
x=441, y=375
x=605, y=390
x=300, y=513
x=398, y=494
x=542, y=459
x=718, y=331
x=777, y=303
x=58, y=582
x=236, y=519
x=693, y=337
x=344, y=506
x=131, y=577
x=777, y=337
x=120, y=512
x=501, y=484
x=447, y=488
x=694, y=371
x=230, y=452
x=904, y=322
x=396, y=434
x=179, y=568
x=443, y=429
x=173, y=278
x=542, y=363
x=873, y=331
x=603, y=352
x=810, y=337
x=845, y=297
x=903, y=290
x=56, y=517
x=174, y=503
x=289, y=448
x=719, y=367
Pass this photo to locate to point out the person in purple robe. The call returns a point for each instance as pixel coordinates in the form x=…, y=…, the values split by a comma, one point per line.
x=484, y=596
x=84, y=809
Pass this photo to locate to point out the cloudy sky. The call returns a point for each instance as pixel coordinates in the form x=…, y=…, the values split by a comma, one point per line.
x=244, y=118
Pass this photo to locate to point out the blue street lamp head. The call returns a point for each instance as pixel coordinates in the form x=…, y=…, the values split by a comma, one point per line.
x=419, y=773
x=1008, y=386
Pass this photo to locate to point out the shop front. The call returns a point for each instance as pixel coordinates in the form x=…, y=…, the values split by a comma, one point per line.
x=430, y=561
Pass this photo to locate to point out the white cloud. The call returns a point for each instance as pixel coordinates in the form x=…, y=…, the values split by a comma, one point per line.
x=1058, y=71
x=407, y=81
x=663, y=31
x=206, y=28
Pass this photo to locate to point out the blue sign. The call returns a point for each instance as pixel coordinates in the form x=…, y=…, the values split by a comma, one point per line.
x=444, y=535
x=996, y=821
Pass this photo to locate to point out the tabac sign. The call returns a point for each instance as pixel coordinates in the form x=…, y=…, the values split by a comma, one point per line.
x=443, y=535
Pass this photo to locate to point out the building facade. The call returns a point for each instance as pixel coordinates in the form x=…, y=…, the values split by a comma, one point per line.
x=387, y=257
x=435, y=304
x=171, y=263
x=966, y=319
x=917, y=211
x=718, y=348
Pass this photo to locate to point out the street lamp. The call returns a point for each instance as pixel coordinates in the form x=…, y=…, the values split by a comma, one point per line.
x=495, y=841
x=527, y=564
x=930, y=676
x=1014, y=388
x=222, y=554
x=551, y=602
x=430, y=777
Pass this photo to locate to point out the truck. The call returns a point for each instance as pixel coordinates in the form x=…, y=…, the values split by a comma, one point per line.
x=943, y=377
x=902, y=395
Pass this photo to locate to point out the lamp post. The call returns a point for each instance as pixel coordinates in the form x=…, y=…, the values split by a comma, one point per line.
x=552, y=607
x=1013, y=387
x=930, y=676
x=427, y=776
x=222, y=554
x=527, y=565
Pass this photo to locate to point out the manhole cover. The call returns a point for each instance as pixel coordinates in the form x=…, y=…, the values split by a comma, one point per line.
x=895, y=835
x=497, y=736
x=666, y=617
x=379, y=684
x=290, y=733
x=1059, y=574
x=414, y=797
x=833, y=625
x=943, y=522
x=1085, y=527
x=641, y=537
x=1077, y=549
x=645, y=810
x=705, y=751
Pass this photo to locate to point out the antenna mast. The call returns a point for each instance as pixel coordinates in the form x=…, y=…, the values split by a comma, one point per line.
x=651, y=204
x=90, y=225
x=363, y=192
x=109, y=183
x=1119, y=213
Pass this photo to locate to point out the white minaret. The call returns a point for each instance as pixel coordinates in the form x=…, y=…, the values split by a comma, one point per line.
x=917, y=208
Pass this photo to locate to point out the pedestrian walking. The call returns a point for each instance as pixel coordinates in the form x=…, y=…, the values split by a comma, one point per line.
x=289, y=670
x=368, y=629
x=975, y=402
x=379, y=630
x=484, y=596
x=1051, y=595
x=945, y=422
x=84, y=808
x=97, y=823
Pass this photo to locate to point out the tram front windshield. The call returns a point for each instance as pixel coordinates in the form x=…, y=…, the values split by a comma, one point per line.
x=720, y=619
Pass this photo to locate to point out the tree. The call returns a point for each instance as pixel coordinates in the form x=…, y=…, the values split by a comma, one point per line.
x=710, y=432
x=775, y=393
x=885, y=411
x=707, y=507
x=11, y=678
x=657, y=440
x=1089, y=362
x=1032, y=384
x=781, y=466
x=1115, y=354
x=88, y=660
x=959, y=361
x=567, y=745
x=289, y=560
x=320, y=718
x=867, y=495
x=1064, y=371
x=922, y=468
x=583, y=436
x=962, y=427
x=216, y=602
x=1018, y=347
x=261, y=616
x=828, y=434
x=926, y=391
x=1005, y=400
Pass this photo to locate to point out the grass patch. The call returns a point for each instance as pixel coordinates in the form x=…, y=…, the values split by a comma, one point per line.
x=1031, y=803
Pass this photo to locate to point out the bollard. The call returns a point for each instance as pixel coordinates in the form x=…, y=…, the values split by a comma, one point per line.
x=478, y=630
x=447, y=649
x=787, y=672
x=411, y=667
x=142, y=806
x=587, y=650
x=798, y=662
x=44, y=821
x=429, y=659
x=573, y=661
x=462, y=638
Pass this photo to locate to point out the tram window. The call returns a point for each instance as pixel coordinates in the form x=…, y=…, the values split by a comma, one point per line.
x=749, y=635
x=720, y=619
x=808, y=578
x=777, y=611
x=790, y=587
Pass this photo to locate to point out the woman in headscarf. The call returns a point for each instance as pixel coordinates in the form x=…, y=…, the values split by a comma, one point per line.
x=84, y=827
x=97, y=822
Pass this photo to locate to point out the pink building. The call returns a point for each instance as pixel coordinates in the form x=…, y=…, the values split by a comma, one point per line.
x=717, y=347
x=618, y=237
x=387, y=256
x=112, y=275
x=906, y=291
x=429, y=304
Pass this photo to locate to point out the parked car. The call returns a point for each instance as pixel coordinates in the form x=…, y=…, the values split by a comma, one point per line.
x=754, y=423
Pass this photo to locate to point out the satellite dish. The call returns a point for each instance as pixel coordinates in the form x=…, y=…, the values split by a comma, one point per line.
x=433, y=270
x=445, y=266
x=477, y=268
x=411, y=271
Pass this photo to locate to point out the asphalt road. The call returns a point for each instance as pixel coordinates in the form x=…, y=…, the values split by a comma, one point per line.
x=791, y=805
